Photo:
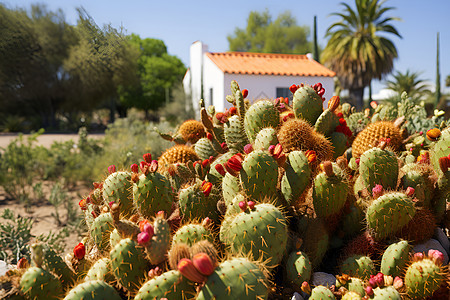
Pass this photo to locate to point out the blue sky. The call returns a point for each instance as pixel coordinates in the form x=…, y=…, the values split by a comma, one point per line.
x=179, y=23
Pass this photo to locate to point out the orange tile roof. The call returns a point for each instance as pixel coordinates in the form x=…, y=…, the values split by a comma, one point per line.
x=268, y=64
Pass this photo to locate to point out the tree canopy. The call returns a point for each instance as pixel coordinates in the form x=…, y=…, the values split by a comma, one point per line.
x=358, y=49
x=410, y=83
x=264, y=35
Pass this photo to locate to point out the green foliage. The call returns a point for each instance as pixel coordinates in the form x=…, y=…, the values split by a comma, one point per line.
x=15, y=235
x=264, y=35
x=410, y=83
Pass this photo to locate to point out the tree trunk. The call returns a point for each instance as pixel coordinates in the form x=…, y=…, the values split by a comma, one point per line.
x=357, y=94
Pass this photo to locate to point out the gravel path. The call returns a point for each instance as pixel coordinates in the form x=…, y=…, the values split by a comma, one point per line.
x=46, y=140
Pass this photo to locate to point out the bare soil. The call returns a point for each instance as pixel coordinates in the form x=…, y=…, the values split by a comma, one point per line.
x=46, y=140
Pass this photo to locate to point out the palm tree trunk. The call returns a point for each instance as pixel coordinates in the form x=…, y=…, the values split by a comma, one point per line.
x=357, y=95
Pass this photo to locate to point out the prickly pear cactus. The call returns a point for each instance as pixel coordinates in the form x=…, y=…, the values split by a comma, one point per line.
x=358, y=266
x=100, y=231
x=160, y=242
x=92, y=290
x=389, y=213
x=196, y=204
x=230, y=187
x=298, y=267
x=170, y=285
x=440, y=148
x=265, y=138
x=296, y=177
x=259, y=175
x=37, y=283
x=378, y=166
x=261, y=231
x=237, y=278
x=128, y=264
x=190, y=234
x=330, y=191
x=395, y=258
x=388, y=292
x=117, y=188
x=235, y=136
x=307, y=104
x=260, y=115
x=100, y=270
x=204, y=149
x=55, y=264
x=320, y=292
x=423, y=277
x=152, y=193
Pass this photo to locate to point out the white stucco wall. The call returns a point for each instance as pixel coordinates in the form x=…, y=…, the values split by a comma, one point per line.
x=264, y=86
x=213, y=78
x=196, y=61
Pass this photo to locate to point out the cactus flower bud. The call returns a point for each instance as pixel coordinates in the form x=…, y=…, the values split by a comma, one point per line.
x=444, y=163
x=222, y=117
x=147, y=157
x=187, y=269
x=153, y=167
x=311, y=155
x=206, y=188
x=111, y=169
x=418, y=256
x=333, y=103
x=203, y=263
x=205, y=163
x=142, y=223
x=224, y=146
x=143, y=238
x=82, y=204
x=377, y=191
x=306, y=288
x=134, y=168
x=154, y=272
x=410, y=191
x=206, y=222
x=149, y=229
x=433, y=134
x=143, y=166
x=209, y=136
x=248, y=148
x=220, y=169
x=232, y=111
x=436, y=256
x=251, y=204
x=22, y=263
x=398, y=283
x=244, y=93
x=388, y=280
x=234, y=165
x=243, y=205
x=293, y=88
x=327, y=167
x=79, y=251
x=369, y=290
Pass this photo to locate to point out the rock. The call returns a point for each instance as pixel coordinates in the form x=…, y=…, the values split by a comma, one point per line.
x=322, y=278
x=297, y=296
x=431, y=244
x=442, y=238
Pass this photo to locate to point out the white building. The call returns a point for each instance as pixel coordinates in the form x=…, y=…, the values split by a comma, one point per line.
x=264, y=75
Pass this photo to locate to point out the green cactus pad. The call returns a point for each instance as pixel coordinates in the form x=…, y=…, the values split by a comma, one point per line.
x=93, y=290
x=100, y=270
x=320, y=293
x=440, y=148
x=261, y=232
x=235, y=136
x=329, y=193
x=326, y=122
x=259, y=175
x=55, y=264
x=100, y=231
x=339, y=142
x=230, y=188
x=204, y=149
x=117, y=188
x=171, y=285
x=128, y=264
x=389, y=213
x=298, y=267
x=37, y=283
x=194, y=204
x=388, y=292
x=307, y=104
x=237, y=278
x=260, y=115
x=190, y=234
x=160, y=242
x=152, y=193
x=297, y=176
x=358, y=266
x=265, y=138
x=395, y=258
x=423, y=278
x=213, y=176
x=379, y=166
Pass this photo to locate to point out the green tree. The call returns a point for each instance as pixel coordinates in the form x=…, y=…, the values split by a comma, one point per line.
x=157, y=73
x=100, y=63
x=357, y=49
x=264, y=35
x=410, y=83
x=33, y=82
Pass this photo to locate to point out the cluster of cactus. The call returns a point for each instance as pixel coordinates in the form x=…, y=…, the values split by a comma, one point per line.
x=262, y=201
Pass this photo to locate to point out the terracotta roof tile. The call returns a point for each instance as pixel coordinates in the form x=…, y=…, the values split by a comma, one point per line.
x=268, y=64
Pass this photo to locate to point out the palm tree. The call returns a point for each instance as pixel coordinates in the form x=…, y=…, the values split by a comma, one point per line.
x=410, y=83
x=356, y=51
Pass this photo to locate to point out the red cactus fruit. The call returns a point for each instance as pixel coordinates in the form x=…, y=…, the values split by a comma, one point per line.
x=143, y=238
x=134, y=168
x=203, y=263
x=293, y=88
x=220, y=169
x=22, y=263
x=147, y=157
x=206, y=188
x=251, y=204
x=209, y=136
x=111, y=169
x=187, y=269
x=142, y=224
x=248, y=148
x=244, y=93
x=79, y=251
x=243, y=205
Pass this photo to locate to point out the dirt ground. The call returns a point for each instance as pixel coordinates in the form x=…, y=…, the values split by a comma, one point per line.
x=40, y=213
